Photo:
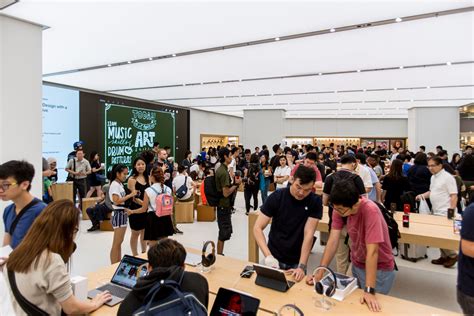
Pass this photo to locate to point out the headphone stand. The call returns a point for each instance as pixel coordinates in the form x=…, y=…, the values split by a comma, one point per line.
x=204, y=270
x=321, y=302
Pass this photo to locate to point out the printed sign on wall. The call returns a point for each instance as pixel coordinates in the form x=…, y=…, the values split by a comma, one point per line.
x=130, y=130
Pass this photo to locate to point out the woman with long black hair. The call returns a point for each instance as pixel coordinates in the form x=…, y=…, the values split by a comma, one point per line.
x=94, y=178
x=394, y=185
x=139, y=181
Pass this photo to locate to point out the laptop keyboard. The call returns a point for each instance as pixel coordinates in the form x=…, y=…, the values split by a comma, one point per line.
x=114, y=290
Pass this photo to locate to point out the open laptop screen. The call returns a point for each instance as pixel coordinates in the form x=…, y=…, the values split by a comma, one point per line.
x=232, y=303
x=129, y=270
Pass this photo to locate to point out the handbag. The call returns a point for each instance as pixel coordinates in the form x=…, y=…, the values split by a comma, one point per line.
x=424, y=208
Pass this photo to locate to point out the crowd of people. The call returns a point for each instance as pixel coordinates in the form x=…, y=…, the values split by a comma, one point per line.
x=354, y=183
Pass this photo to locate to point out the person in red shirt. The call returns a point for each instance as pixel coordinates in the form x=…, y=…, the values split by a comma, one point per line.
x=310, y=162
x=371, y=251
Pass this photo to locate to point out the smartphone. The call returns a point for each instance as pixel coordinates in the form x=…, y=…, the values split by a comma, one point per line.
x=457, y=225
x=247, y=272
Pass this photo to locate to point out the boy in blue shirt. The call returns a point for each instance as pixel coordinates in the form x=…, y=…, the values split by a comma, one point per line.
x=15, y=184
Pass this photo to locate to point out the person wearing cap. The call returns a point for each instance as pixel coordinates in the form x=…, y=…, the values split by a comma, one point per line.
x=77, y=145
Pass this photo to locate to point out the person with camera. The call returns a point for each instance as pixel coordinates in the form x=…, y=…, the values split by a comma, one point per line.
x=295, y=212
x=371, y=251
x=224, y=186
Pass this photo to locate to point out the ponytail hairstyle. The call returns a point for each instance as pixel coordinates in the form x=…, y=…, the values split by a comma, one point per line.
x=116, y=169
x=158, y=176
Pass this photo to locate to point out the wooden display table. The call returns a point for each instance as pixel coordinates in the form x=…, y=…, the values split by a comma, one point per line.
x=425, y=230
x=184, y=212
x=225, y=273
x=86, y=203
x=62, y=191
x=206, y=213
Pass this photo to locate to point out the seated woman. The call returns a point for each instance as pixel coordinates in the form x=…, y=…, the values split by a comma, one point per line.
x=38, y=264
x=165, y=262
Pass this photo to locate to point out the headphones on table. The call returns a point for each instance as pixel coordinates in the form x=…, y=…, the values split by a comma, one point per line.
x=293, y=307
x=208, y=260
x=319, y=287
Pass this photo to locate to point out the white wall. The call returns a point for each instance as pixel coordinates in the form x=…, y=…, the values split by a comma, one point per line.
x=346, y=127
x=20, y=94
x=433, y=126
x=203, y=122
x=263, y=127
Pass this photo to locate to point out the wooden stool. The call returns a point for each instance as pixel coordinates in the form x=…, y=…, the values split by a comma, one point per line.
x=184, y=212
x=206, y=213
x=86, y=203
x=106, y=225
x=62, y=191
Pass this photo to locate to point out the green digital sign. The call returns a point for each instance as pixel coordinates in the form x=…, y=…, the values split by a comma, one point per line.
x=131, y=130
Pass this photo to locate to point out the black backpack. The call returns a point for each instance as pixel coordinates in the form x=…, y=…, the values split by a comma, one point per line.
x=174, y=303
x=392, y=225
x=182, y=190
x=210, y=190
x=410, y=199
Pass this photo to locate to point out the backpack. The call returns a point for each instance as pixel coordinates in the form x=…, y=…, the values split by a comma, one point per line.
x=164, y=203
x=175, y=303
x=182, y=190
x=210, y=189
x=410, y=199
x=392, y=225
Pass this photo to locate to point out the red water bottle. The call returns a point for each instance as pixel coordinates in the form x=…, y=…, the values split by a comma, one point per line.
x=406, y=215
x=406, y=208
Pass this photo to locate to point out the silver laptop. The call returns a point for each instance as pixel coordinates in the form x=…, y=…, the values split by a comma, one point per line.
x=192, y=259
x=124, y=279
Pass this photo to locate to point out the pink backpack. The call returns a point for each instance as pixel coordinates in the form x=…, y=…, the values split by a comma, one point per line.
x=164, y=203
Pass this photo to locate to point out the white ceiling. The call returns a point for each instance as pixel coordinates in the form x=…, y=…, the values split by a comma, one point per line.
x=93, y=33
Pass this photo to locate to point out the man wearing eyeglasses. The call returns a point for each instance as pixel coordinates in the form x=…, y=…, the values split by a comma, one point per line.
x=295, y=212
x=443, y=195
x=371, y=251
x=15, y=185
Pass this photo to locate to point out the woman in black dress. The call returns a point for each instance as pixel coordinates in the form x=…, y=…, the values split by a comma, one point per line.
x=394, y=185
x=139, y=181
x=94, y=178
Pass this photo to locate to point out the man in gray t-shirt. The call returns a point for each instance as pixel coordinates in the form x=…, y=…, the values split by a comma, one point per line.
x=79, y=168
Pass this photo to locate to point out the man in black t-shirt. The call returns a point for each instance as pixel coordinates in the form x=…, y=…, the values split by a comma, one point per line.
x=466, y=263
x=346, y=172
x=295, y=212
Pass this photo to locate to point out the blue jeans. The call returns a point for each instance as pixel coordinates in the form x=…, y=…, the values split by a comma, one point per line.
x=384, y=280
x=264, y=188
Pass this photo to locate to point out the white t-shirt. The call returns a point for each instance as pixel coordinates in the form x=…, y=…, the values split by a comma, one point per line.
x=116, y=189
x=233, y=165
x=179, y=180
x=152, y=194
x=285, y=171
x=442, y=186
x=213, y=159
x=364, y=173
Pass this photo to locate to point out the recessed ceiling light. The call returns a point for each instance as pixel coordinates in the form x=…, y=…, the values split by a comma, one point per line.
x=411, y=100
x=448, y=63
x=428, y=87
x=364, y=90
x=174, y=55
x=184, y=84
x=401, y=67
x=335, y=91
x=129, y=62
x=398, y=20
x=109, y=65
x=277, y=38
x=358, y=70
x=220, y=81
x=332, y=30
x=240, y=80
x=320, y=74
x=202, y=83
x=395, y=88
x=151, y=58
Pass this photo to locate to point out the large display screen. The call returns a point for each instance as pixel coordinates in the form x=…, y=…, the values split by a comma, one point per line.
x=60, y=125
x=131, y=130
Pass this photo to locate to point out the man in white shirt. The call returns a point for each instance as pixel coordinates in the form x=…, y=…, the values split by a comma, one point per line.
x=233, y=165
x=443, y=195
x=364, y=172
x=180, y=180
x=282, y=174
x=394, y=154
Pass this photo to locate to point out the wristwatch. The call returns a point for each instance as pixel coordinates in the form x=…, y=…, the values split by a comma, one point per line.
x=369, y=290
x=302, y=266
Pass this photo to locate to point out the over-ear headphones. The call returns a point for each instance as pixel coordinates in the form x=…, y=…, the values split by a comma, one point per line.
x=318, y=286
x=293, y=307
x=208, y=260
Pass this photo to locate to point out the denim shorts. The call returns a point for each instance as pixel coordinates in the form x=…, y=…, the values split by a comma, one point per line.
x=384, y=279
x=119, y=218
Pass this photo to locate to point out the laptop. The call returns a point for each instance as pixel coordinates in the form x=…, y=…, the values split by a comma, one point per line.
x=232, y=303
x=192, y=259
x=124, y=279
x=271, y=278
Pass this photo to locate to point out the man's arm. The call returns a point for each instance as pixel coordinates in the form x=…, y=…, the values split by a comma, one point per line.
x=309, y=230
x=467, y=247
x=378, y=192
x=227, y=191
x=261, y=223
x=371, y=277
x=7, y=239
x=331, y=247
x=454, y=200
x=325, y=199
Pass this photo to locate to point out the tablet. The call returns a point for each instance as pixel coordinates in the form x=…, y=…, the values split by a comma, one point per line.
x=231, y=303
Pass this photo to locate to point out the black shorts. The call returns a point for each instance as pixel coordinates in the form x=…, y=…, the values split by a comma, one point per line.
x=224, y=222
x=137, y=221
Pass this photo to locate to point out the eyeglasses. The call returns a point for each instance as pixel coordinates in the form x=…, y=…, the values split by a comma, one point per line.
x=432, y=166
x=341, y=211
x=6, y=185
